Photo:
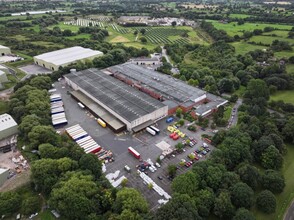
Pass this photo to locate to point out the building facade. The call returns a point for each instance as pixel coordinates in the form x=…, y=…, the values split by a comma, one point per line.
x=8, y=126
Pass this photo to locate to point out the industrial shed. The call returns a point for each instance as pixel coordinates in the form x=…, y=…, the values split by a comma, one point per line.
x=3, y=77
x=8, y=126
x=4, y=50
x=64, y=57
x=130, y=106
x=173, y=92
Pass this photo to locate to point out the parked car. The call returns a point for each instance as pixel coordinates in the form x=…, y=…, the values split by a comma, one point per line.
x=127, y=168
x=159, y=177
x=158, y=165
x=208, y=149
x=204, y=152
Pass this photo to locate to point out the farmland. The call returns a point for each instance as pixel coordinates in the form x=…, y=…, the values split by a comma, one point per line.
x=154, y=35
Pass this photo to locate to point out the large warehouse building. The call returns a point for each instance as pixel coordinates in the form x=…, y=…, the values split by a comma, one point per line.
x=120, y=102
x=8, y=126
x=173, y=92
x=4, y=50
x=64, y=57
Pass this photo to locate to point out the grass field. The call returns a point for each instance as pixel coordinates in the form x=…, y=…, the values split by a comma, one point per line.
x=243, y=47
x=285, y=198
x=234, y=29
x=239, y=16
x=286, y=96
x=290, y=68
x=270, y=39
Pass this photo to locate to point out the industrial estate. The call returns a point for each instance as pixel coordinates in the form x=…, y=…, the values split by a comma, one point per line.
x=134, y=110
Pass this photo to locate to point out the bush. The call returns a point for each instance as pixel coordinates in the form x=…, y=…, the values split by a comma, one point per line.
x=266, y=202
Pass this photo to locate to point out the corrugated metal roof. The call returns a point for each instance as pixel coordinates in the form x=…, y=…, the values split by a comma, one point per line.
x=3, y=47
x=68, y=55
x=126, y=101
x=6, y=121
x=164, y=84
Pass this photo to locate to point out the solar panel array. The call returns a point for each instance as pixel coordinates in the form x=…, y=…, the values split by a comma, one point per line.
x=166, y=85
x=126, y=101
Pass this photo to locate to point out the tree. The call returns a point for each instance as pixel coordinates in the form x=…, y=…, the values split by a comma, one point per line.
x=273, y=181
x=181, y=206
x=291, y=59
x=171, y=169
x=187, y=183
x=266, y=202
x=130, y=199
x=243, y=214
x=9, y=203
x=124, y=182
x=143, y=40
x=41, y=82
x=174, y=23
x=92, y=163
x=288, y=130
x=46, y=172
x=27, y=124
x=205, y=201
x=74, y=196
x=150, y=186
x=43, y=134
x=135, y=32
x=143, y=31
x=271, y=158
x=223, y=207
x=242, y=195
x=249, y=175
x=31, y=205
x=179, y=146
x=181, y=122
x=179, y=112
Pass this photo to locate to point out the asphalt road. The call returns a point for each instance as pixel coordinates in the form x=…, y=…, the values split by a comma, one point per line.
x=234, y=115
x=290, y=213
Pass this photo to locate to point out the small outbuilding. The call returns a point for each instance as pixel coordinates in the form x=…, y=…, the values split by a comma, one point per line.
x=4, y=50
x=8, y=126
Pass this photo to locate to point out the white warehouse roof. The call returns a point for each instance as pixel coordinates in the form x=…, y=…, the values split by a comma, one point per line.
x=68, y=55
x=3, y=47
x=6, y=121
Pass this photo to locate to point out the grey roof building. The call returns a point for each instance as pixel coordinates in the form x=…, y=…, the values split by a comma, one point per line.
x=132, y=107
x=8, y=126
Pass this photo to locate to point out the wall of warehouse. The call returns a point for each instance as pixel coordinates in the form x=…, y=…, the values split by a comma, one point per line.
x=8, y=132
x=4, y=51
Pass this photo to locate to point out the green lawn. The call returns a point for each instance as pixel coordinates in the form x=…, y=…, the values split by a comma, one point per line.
x=290, y=68
x=285, y=198
x=240, y=91
x=239, y=16
x=269, y=39
x=286, y=96
x=234, y=29
x=3, y=107
x=228, y=112
x=243, y=47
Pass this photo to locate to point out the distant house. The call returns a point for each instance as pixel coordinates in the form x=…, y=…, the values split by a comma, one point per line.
x=146, y=61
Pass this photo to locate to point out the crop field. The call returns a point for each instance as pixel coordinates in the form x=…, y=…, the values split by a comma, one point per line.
x=120, y=29
x=85, y=23
x=239, y=16
x=234, y=29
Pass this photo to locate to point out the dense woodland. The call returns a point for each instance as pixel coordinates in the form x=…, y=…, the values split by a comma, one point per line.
x=242, y=174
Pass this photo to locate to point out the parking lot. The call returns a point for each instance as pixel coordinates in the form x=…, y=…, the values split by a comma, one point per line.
x=143, y=142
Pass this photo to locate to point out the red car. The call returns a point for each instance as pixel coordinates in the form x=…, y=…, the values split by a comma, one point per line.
x=176, y=137
x=172, y=135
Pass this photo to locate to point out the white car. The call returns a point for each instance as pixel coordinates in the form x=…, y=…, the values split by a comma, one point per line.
x=158, y=165
x=151, y=169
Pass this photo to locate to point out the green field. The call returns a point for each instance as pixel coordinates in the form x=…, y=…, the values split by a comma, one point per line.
x=243, y=47
x=285, y=198
x=234, y=29
x=290, y=68
x=269, y=39
x=286, y=96
x=239, y=16
x=3, y=107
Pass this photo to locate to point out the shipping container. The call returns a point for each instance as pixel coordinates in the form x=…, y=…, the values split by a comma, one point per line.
x=59, y=122
x=57, y=110
x=81, y=141
x=151, y=131
x=155, y=129
x=101, y=122
x=134, y=152
x=94, y=151
x=80, y=135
